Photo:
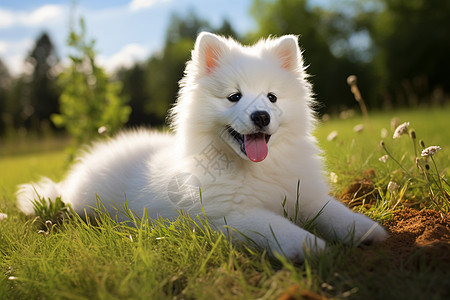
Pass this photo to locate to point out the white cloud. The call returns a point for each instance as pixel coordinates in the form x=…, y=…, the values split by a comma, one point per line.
x=3, y=47
x=126, y=57
x=14, y=53
x=6, y=18
x=143, y=4
x=42, y=15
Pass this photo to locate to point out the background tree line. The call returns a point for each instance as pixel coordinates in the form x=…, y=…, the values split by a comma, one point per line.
x=398, y=48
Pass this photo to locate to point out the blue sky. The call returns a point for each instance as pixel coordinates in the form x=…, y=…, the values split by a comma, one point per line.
x=125, y=30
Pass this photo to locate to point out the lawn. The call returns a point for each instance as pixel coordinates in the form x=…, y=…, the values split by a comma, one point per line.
x=104, y=259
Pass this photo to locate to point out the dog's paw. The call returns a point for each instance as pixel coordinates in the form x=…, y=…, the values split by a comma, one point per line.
x=367, y=231
x=296, y=251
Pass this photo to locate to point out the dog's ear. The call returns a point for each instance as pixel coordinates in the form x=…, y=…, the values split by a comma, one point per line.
x=288, y=52
x=208, y=50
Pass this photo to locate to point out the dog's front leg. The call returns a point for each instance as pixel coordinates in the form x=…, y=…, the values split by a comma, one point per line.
x=273, y=232
x=335, y=220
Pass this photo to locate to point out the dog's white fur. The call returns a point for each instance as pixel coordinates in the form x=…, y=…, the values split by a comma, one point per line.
x=162, y=172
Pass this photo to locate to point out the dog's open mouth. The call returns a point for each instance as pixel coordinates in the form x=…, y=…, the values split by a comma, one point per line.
x=253, y=145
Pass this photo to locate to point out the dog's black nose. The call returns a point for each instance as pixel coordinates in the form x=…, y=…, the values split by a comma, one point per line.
x=260, y=118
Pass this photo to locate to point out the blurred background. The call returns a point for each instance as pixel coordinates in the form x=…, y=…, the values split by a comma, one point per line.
x=79, y=66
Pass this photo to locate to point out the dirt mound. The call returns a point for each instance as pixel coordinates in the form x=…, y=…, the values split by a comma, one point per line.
x=361, y=191
x=411, y=231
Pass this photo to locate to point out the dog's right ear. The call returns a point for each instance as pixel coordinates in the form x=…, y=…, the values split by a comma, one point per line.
x=207, y=51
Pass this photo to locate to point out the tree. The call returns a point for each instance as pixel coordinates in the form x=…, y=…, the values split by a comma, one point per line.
x=413, y=42
x=136, y=90
x=89, y=100
x=5, y=81
x=165, y=69
x=313, y=25
x=42, y=92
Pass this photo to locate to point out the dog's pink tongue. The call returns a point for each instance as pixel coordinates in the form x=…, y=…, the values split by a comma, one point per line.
x=255, y=146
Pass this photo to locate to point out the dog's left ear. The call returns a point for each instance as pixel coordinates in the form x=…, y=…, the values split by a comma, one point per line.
x=208, y=50
x=289, y=53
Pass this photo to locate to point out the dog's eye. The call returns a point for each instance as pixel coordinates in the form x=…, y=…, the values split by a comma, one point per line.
x=235, y=97
x=272, y=98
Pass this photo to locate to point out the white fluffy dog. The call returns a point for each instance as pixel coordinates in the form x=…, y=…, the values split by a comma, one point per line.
x=242, y=133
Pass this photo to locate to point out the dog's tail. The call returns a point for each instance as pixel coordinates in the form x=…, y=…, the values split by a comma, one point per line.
x=28, y=193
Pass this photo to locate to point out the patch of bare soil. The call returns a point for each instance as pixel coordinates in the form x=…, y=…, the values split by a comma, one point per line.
x=412, y=230
x=417, y=238
x=361, y=191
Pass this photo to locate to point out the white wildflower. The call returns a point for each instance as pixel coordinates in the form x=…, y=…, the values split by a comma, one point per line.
x=332, y=136
x=384, y=158
x=384, y=133
x=352, y=79
x=393, y=187
x=401, y=129
x=394, y=123
x=430, y=151
x=333, y=177
x=3, y=216
x=358, y=128
x=103, y=130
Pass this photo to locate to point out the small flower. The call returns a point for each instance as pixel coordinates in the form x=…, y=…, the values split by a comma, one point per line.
x=358, y=128
x=333, y=177
x=103, y=130
x=45, y=233
x=351, y=80
x=393, y=187
x=332, y=136
x=384, y=158
x=430, y=151
x=401, y=129
x=384, y=133
x=3, y=216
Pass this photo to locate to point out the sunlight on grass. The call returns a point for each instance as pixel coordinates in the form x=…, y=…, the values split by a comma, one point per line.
x=104, y=258
x=352, y=155
x=19, y=169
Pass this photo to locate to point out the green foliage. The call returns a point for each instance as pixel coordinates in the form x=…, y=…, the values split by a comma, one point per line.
x=89, y=100
x=49, y=212
x=413, y=41
x=420, y=175
x=351, y=154
x=317, y=29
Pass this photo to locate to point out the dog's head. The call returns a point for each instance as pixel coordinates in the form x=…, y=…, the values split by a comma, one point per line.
x=244, y=94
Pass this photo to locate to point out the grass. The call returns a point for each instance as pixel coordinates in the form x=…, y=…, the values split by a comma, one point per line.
x=352, y=154
x=106, y=259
